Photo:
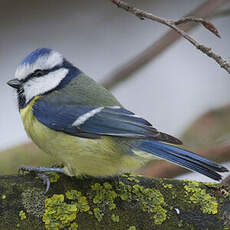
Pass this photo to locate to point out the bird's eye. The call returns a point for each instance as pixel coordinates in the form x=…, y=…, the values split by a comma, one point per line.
x=38, y=73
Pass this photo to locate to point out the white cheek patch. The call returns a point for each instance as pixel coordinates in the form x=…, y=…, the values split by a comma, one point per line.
x=44, y=62
x=37, y=86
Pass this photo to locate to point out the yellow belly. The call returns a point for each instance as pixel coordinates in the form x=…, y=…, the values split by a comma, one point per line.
x=81, y=156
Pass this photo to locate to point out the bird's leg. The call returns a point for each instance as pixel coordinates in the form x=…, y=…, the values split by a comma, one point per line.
x=40, y=172
x=40, y=169
x=46, y=181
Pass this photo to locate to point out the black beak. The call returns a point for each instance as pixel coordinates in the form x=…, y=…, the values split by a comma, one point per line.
x=15, y=83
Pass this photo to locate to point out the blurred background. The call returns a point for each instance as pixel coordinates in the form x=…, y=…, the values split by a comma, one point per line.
x=175, y=91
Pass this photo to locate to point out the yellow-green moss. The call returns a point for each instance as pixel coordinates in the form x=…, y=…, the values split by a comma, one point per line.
x=3, y=197
x=150, y=200
x=22, y=215
x=132, y=228
x=82, y=202
x=58, y=214
x=115, y=218
x=197, y=195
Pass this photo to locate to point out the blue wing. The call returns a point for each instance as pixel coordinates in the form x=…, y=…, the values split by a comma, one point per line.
x=93, y=121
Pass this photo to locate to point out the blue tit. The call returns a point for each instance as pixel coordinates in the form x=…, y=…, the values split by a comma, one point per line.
x=80, y=123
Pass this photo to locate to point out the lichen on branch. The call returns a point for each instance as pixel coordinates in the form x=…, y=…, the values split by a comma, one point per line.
x=125, y=202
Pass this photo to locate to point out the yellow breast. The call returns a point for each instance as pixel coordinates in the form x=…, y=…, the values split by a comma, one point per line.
x=27, y=116
x=81, y=156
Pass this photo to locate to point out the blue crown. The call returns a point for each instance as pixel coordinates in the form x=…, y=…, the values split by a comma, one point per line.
x=32, y=57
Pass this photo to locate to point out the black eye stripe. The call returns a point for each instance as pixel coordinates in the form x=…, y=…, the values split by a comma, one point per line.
x=44, y=72
x=36, y=73
x=39, y=72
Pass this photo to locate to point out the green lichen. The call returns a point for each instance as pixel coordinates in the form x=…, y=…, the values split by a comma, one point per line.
x=22, y=215
x=210, y=184
x=115, y=218
x=33, y=201
x=197, y=195
x=53, y=177
x=125, y=191
x=82, y=202
x=73, y=194
x=132, y=227
x=73, y=226
x=180, y=223
x=90, y=212
x=169, y=186
x=150, y=200
x=131, y=177
x=173, y=193
x=3, y=197
x=58, y=214
x=105, y=195
x=98, y=214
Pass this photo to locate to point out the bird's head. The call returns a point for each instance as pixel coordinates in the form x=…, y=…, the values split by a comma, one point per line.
x=41, y=72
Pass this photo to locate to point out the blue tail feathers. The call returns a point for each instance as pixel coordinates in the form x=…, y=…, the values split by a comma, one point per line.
x=183, y=158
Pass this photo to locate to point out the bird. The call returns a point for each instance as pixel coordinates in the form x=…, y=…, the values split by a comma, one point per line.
x=77, y=121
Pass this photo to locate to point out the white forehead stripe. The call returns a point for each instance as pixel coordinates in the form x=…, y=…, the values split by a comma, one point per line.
x=44, y=62
x=37, y=86
x=83, y=118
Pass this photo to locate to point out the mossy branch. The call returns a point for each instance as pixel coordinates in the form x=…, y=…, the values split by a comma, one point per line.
x=124, y=202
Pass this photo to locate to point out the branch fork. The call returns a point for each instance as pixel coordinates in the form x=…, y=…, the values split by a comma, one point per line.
x=141, y=14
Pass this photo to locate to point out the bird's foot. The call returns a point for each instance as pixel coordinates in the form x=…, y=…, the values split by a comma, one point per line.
x=40, y=172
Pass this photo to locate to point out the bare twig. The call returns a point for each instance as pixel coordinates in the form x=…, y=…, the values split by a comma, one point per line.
x=208, y=25
x=222, y=13
x=124, y=72
x=172, y=24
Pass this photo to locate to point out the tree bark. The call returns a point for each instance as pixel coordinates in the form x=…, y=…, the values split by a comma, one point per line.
x=126, y=202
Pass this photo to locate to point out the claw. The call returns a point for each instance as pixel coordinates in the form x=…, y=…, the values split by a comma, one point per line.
x=21, y=169
x=40, y=172
x=46, y=181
